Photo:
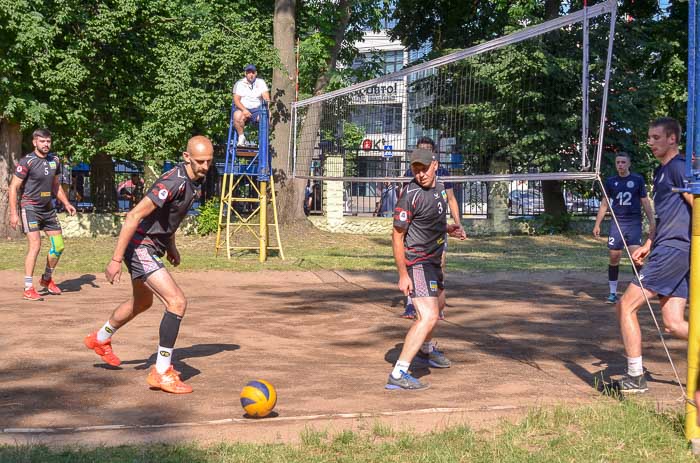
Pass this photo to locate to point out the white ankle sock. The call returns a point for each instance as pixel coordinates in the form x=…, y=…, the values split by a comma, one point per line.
x=165, y=356
x=105, y=332
x=398, y=368
x=613, y=287
x=634, y=366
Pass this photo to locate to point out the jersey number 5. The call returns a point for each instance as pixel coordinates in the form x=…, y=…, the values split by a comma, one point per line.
x=625, y=198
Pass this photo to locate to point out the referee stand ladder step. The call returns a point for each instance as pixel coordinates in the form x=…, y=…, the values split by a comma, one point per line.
x=248, y=196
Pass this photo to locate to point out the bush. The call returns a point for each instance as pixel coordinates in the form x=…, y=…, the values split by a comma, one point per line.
x=208, y=218
x=547, y=224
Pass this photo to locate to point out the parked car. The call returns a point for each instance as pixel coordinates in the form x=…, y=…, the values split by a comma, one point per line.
x=525, y=202
x=576, y=204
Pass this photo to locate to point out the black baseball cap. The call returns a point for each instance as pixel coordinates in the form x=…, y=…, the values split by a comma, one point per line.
x=422, y=156
x=250, y=67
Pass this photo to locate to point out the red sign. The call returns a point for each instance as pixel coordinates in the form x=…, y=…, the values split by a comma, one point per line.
x=367, y=144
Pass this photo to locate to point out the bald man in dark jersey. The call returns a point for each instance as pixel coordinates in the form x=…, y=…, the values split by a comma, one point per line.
x=148, y=234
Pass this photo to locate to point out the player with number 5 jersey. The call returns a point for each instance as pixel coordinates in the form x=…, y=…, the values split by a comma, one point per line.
x=627, y=195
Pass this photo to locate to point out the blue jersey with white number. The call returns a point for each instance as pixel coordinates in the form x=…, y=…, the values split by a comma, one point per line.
x=625, y=195
x=672, y=210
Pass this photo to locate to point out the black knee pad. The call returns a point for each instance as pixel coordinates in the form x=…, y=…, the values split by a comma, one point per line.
x=169, y=327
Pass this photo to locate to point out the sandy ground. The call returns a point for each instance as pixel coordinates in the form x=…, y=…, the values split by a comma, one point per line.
x=326, y=340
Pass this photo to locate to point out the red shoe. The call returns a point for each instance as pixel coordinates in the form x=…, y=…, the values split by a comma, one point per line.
x=168, y=381
x=103, y=349
x=50, y=286
x=31, y=295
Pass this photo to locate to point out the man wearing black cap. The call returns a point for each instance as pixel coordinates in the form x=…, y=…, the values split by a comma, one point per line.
x=420, y=229
x=248, y=95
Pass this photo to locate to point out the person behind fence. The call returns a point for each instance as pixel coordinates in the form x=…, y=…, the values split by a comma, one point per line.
x=147, y=235
x=418, y=241
x=667, y=269
x=308, y=197
x=428, y=144
x=131, y=190
x=36, y=176
x=387, y=201
x=249, y=93
x=628, y=194
x=65, y=179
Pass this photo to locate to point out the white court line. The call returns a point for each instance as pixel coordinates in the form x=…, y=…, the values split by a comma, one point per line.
x=119, y=427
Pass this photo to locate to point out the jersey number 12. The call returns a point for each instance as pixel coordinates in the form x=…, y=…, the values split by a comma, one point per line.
x=625, y=198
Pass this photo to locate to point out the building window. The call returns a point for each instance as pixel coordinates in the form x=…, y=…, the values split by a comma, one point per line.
x=388, y=61
x=379, y=118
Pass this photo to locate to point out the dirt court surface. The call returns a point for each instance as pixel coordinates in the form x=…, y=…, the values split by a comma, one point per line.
x=326, y=340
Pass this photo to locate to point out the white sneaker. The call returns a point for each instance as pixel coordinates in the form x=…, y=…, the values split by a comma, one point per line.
x=241, y=140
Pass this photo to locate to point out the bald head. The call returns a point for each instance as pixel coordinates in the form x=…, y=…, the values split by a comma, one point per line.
x=199, y=144
x=198, y=156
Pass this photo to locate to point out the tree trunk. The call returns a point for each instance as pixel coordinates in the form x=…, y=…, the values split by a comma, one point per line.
x=497, y=200
x=552, y=195
x=291, y=193
x=102, y=188
x=310, y=117
x=553, y=198
x=10, y=154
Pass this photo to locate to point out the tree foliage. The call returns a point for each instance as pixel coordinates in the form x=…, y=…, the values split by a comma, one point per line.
x=648, y=75
x=128, y=78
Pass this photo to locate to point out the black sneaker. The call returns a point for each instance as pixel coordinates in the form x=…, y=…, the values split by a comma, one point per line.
x=631, y=384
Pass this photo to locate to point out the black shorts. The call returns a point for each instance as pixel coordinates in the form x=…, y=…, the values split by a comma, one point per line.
x=427, y=279
x=38, y=219
x=142, y=260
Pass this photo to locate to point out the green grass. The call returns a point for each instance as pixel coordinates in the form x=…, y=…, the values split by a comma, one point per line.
x=607, y=431
x=307, y=248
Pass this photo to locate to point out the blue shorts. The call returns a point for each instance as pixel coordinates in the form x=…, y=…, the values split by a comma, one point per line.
x=632, y=232
x=255, y=114
x=666, y=272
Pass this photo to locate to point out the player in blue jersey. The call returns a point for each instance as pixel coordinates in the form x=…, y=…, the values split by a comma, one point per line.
x=667, y=269
x=627, y=194
x=427, y=143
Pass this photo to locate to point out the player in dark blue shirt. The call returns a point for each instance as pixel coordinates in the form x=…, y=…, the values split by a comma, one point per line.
x=148, y=234
x=428, y=144
x=418, y=240
x=667, y=269
x=627, y=194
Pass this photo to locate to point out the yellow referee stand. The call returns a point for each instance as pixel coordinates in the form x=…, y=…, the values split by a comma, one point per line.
x=247, y=196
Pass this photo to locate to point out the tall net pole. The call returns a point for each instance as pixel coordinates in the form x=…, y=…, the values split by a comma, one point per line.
x=692, y=431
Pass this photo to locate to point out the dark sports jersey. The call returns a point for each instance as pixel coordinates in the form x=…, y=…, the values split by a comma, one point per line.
x=441, y=173
x=37, y=176
x=422, y=212
x=625, y=195
x=173, y=193
x=672, y=211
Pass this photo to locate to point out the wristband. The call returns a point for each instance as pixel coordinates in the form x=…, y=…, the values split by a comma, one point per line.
x=115, y=260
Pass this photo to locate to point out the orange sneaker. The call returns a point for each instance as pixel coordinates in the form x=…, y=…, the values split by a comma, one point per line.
x=31, y=295
x=50, y=286
x=103, y=349
x=168, y=381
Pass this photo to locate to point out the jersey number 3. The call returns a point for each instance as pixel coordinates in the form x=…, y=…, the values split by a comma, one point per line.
x=624, y=198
